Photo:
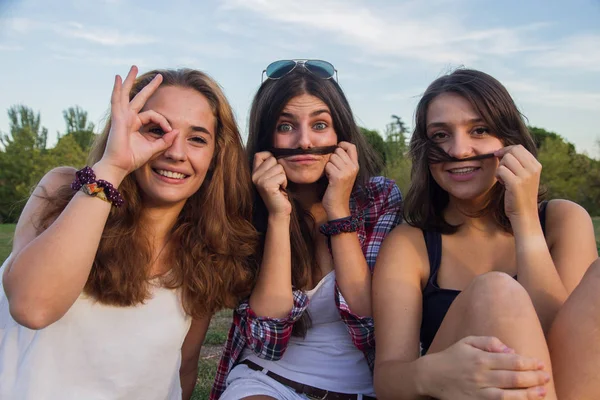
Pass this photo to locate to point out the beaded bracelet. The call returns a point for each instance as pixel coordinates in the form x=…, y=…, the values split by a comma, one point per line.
x=337, y=226
x=85, y=180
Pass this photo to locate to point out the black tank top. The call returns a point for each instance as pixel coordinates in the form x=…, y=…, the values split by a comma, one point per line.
x=437, y=301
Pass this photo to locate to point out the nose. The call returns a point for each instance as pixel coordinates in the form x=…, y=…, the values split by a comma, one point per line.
x=177, y=150
x=461, y=146
x=304, y=139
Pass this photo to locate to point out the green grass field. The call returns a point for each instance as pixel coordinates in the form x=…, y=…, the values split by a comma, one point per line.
x=217, y=332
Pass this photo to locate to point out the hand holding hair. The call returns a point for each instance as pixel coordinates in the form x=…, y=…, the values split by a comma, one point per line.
x=519, y=171
x=341, y=171
x=270, y=180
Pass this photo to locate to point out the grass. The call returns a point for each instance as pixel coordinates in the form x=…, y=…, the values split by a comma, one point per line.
x=6, y=234
x=217, y=331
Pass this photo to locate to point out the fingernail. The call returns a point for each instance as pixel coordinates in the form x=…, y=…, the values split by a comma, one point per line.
x=507, y=349
x=547, y=377
x=541, y=391
x=541, y=365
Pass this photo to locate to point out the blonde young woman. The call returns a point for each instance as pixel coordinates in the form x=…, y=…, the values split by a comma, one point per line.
x=117, y=269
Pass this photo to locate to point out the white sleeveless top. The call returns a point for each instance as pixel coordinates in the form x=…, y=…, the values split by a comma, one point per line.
x=96, y=351
x=326, y=357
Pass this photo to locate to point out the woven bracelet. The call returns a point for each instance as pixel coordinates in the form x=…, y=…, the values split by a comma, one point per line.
x=337, y=226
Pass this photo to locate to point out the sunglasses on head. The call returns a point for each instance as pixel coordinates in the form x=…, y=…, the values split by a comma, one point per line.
x=319, y=68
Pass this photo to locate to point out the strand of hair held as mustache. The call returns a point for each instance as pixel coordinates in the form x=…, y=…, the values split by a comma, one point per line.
x=436, y=154
x=318, y=151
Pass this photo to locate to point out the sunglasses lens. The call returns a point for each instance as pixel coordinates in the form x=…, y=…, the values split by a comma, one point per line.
x=320, y=68
x=277, y=69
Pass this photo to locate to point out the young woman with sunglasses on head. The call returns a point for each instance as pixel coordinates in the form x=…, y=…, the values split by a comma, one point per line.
x=306, y=330
x=484, y=276
x=117, y=269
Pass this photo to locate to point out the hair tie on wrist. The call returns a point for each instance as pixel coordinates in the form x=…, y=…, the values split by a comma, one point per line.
x=337, y=226
x=85, y=180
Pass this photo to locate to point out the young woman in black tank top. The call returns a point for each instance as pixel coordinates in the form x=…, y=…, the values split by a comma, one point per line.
x=484, y=274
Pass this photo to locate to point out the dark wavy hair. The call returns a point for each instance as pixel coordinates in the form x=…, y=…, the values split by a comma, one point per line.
x=268, y=103
x=426, y=200
x=213, y=239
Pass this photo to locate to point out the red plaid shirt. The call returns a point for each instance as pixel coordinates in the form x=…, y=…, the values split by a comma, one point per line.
x=380, y=204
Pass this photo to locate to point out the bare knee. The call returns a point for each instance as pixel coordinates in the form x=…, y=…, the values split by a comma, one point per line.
x=497, y=295
x=593, y=272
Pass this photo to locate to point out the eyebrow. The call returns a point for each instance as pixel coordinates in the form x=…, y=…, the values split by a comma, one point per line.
x=200, y=129
x=444, y=124
x=312, y=114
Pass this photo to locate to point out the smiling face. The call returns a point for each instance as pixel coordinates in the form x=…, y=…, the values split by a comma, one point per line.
x=455, y=126
x=173, y=176
x=305, y=122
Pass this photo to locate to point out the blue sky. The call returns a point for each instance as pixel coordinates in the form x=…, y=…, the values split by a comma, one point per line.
x=546, y=52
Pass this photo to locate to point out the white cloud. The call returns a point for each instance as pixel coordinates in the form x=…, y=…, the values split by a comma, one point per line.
x=441, y=38
x=8, y=47
x=103, y=36
x=538, y=94
x=580, y=52
x=106, y=36
x=20, y=25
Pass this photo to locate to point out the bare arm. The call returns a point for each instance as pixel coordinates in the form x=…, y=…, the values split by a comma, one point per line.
x=47, y=273
x=548, y=275
x=190, y=355
x=272, y=296
x=550, y=268
x=352, y=272
x=397, y=309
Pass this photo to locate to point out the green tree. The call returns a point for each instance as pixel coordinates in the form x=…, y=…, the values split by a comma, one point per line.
x=78, y=126
x=66, y=152
x=376, y=142
x=540, y=135
x=395, y=137
x=22, y=162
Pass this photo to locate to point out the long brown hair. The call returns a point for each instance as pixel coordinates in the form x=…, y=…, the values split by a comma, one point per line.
x=426, y=200
x=213, y=240
x=269, y=102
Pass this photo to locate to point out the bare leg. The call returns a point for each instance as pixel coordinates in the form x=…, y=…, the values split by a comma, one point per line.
x=574, y=341
x=494, y=304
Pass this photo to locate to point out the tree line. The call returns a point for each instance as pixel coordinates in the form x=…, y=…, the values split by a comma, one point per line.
x=25, y=158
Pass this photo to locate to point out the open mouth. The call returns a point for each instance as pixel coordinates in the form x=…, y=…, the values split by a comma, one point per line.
x=463, y=170
x=170, y=174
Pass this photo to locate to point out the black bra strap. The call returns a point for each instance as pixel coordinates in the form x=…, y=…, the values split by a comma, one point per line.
x=542, y=214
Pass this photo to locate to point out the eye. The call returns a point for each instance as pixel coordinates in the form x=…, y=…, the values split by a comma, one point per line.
x=439, y=136
x=199, y=140
x=285, y=127
x=156, y=130
x=319, y=126
x=481, y=131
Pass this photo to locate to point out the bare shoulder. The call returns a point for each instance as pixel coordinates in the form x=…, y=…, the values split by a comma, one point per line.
x=405, y=233
x=26, y=228
x=560, y=212
x=564, y=217
x=405, y=249
x=56, y=178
